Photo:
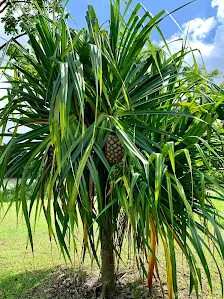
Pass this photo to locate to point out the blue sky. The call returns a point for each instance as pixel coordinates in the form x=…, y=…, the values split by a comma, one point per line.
x=199, y=8
x=202, y=19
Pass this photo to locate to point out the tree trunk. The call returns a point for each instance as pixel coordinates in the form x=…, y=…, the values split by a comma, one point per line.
x=108, y=263
x=107, y=250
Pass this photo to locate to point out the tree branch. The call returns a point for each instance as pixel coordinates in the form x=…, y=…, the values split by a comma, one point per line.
x=7, y=3
x=18, y=36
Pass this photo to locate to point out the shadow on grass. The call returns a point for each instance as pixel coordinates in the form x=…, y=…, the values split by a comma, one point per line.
x=66, y=283
x=17, y=286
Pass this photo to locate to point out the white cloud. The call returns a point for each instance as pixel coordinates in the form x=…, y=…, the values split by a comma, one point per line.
x=220, y=9
x=197, y=31
x=199, y=28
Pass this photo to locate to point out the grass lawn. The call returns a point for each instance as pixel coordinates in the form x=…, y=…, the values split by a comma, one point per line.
x=20, y=270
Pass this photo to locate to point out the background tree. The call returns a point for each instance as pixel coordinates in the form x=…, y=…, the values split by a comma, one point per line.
x=119, y=142
x=22, y=13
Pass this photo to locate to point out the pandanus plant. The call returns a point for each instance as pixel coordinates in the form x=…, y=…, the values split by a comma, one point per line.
x=119, y=142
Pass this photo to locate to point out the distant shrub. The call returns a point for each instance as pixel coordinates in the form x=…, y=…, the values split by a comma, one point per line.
x=10, y=193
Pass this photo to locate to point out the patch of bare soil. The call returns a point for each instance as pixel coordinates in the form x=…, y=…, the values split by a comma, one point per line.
x=67, y=284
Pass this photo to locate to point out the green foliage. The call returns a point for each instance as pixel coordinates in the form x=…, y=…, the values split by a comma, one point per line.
x=19, y=14
x=85, y=84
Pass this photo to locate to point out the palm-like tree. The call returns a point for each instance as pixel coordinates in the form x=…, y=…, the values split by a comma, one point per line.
x=75, y=90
